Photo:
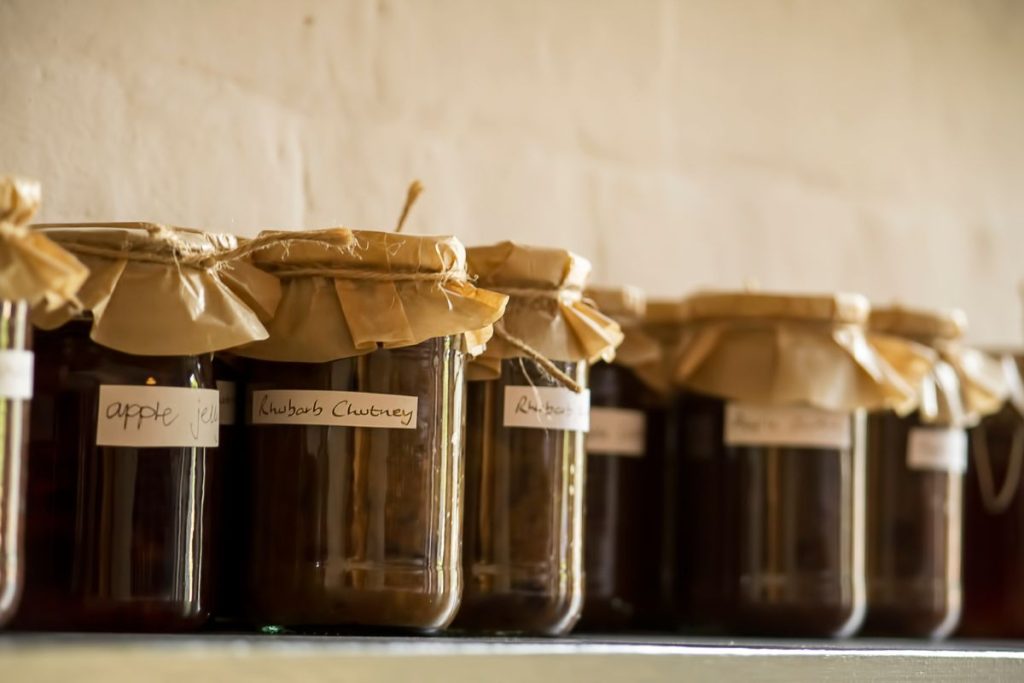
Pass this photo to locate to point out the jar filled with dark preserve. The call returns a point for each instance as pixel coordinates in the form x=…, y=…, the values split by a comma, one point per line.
x=354, y=431
x=770, y=526
x=994, y=518
x=526, y=420
x=124, y=471
x=625, y=474
x=33, y=270
x=915, y=475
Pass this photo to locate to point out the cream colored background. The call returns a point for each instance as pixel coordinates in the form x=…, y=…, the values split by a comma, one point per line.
x=874, y=145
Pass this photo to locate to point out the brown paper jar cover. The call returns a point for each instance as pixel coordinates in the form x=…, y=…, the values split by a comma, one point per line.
x=639, y=351
x=155, y=290
x=546, y=308
x=32, y=267
x=954, y=385
x=348, y=292
x=778, y=349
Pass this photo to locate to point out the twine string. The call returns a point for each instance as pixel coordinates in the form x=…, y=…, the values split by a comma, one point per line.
x=535, y=355
x=996, y=502
x=415, y=190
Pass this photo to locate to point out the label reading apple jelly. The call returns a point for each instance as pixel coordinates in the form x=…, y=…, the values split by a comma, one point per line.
x=15, y=374
x=157, y=417
x=228, y=398
x=795, y=427
x=616, y=431
x=937, y=449
x=547, y=408
x=333, y=409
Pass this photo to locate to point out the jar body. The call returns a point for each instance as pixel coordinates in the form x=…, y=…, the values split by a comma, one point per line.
x=15, y=343
x=770, y=537
x=357, y=526
x=117, y=537
x=994, y=529
x=623, y=503
x=914, y=527
x=523, y=543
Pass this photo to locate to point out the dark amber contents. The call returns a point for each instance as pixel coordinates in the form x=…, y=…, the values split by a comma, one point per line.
x=117, y=538
x=15, y=335
x=994, y=529
x=233, y=502
x=523, y=540
x=770, y=539
x=353, y=525
x=623, y=516
x=914, y=532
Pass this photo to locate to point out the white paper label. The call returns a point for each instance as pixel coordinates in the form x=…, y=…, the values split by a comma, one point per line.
x=15, y=374
x=333, y=409
x=617, y=431
x=157, y=417
x=796, y=427
x=937, y=449
x=547, y=408
x=228, y=401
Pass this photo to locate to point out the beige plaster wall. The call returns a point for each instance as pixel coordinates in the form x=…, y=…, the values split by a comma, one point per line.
x=873, y=145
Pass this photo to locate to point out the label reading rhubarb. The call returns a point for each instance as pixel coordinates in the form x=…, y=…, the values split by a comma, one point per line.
x=157, y=417
x=547, y=408
x=795, y=427
x=333, y=409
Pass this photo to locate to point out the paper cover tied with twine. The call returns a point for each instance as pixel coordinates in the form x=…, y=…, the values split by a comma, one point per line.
x=954, y=385
x=546, y=309
x=32, y=268
x=639, y=351
x=785, y=350
x=349, y=292
x=160, y=291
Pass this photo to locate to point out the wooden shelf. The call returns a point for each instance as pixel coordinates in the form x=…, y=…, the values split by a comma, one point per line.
x=218, y=657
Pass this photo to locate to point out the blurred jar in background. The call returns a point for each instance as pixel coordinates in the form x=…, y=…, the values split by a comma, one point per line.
x=33, y=271
x=770, y=526
x=625, y=474
x=124, y=476
x=527, y=415
x=915, y=472
x=994, y=517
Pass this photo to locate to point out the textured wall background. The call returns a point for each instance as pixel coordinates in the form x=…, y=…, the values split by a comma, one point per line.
x=872, y=145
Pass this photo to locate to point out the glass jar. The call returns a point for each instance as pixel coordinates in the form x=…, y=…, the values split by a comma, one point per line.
x=623, y=501
x=994, y=527
x=771, y=535
x=523, y=541
x=356, y=525
x=914, y=526
x=121, y=510
x=15, y=390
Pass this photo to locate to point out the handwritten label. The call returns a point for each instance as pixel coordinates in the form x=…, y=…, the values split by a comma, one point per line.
x=334, y=409
x=157, y=417
x=796, y=427
x=617, y=431
x=941, y=449
x=15, y=374
x=228, y=401
x=547, y=408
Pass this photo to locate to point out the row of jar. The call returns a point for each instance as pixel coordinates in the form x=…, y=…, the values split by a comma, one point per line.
x=340, y=428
